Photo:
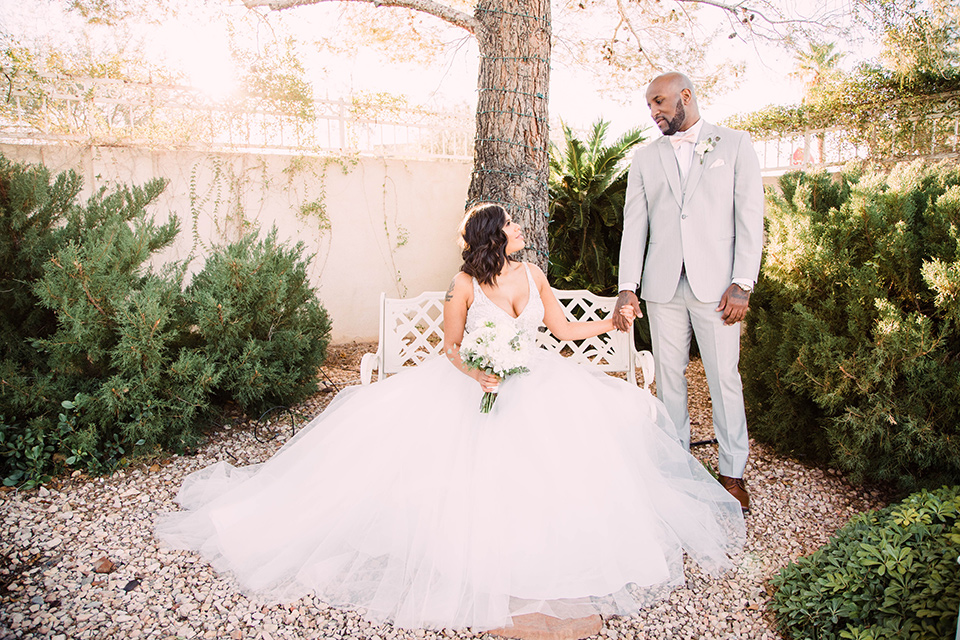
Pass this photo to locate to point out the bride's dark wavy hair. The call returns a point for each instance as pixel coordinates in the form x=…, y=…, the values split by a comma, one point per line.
x=483, y=242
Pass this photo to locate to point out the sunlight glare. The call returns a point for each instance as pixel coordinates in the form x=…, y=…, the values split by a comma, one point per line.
x=203, y=55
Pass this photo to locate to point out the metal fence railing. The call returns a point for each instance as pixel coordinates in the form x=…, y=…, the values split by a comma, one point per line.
x=118, y=112
x=885, y=139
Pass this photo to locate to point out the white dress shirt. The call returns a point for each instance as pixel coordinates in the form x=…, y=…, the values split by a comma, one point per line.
x=684, y=149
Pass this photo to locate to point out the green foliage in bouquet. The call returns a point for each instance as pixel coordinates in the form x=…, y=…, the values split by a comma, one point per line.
x=104, y=357
x=890, y=574
x=852, y=351
x=259, y=322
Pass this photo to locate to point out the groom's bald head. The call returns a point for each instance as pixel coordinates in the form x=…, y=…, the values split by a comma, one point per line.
x=672, y=102
x=676, y=80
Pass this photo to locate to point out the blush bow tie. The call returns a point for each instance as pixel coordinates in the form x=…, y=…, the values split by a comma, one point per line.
x=683, y=136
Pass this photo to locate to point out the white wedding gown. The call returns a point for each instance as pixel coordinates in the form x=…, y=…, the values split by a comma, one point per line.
x=404, y=500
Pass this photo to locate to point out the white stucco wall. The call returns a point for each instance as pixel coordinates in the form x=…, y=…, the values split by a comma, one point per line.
x=390, y=224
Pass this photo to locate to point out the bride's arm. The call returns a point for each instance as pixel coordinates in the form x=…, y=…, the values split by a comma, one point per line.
x=556, y=320
x=458, y=299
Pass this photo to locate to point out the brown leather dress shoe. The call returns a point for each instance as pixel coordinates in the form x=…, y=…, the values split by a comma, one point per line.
x=738, y=490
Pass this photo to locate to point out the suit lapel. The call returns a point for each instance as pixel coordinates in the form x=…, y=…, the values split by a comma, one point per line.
x=668, y=160
x=699, y=162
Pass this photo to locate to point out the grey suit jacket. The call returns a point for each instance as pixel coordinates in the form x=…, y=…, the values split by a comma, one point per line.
x=713, y=224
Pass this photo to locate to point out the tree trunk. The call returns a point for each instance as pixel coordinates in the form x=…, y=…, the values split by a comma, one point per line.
x=511, y=157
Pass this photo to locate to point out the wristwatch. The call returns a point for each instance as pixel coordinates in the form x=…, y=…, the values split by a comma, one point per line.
x=746, y=287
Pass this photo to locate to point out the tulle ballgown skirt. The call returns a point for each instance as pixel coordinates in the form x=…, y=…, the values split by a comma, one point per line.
x=571, y=497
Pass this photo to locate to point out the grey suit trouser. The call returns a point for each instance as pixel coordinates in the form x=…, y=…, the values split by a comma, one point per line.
x=672, y=325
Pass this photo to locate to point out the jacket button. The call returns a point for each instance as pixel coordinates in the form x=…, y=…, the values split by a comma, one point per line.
x=683, y=215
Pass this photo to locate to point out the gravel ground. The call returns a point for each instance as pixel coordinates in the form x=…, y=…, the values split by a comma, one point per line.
x=52, y=541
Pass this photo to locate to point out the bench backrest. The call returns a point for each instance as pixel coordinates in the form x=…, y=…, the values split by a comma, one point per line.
x=411, y=332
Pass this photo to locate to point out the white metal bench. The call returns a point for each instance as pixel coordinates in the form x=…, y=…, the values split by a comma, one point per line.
x=411, y=333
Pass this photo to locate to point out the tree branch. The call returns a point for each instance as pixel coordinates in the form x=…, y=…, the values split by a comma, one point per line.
x=625, y=19
x=743, y=14
x=436, y=9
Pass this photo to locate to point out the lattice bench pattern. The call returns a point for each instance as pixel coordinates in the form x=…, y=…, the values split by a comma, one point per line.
x=411, y=332
x=608, y=352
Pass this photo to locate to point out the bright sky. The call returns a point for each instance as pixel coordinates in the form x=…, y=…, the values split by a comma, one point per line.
x=572, y=97
x=767, y=79
x=199, y=47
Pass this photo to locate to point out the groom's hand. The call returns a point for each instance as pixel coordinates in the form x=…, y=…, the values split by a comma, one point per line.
x=620, y=322
x=734, y=304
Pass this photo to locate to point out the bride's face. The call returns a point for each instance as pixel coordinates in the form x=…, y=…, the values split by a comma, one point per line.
x=514, y=233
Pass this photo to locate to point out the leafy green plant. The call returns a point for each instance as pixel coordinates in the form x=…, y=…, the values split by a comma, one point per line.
x=852, y=353
x=890, y=574
x=588, y=184
x=32, y=452
x=259, y=322
x=84, y=316
x=27, y=454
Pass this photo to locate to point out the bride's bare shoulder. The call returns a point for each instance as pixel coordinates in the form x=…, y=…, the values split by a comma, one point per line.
x=461, y=285
x=538, y=274
x=462, y=279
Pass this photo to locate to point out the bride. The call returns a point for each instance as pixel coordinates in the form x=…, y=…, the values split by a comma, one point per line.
x=403, y=500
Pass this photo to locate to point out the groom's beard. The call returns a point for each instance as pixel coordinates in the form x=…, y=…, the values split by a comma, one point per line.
x=673, y=125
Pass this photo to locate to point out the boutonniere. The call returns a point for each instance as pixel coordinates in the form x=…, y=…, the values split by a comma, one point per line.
x=706, y=146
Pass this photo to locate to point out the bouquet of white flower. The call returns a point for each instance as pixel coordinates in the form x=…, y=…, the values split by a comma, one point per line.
x=499, y=350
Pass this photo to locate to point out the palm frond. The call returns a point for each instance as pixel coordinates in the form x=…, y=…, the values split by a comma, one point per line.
x=587, y=188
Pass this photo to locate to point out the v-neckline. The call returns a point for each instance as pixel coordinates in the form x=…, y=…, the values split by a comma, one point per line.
x=525, y=305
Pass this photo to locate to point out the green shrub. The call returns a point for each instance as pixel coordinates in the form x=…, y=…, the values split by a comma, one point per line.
x=259, y=322
x=37, y=216
x=588, y=185
x=889, y=574
x=587, y=190
x=104, y=357
x=120, y=326
x=852, y=352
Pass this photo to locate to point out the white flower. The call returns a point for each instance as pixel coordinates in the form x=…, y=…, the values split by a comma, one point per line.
x=496, y=349
x=706, y=146
x=499, y=350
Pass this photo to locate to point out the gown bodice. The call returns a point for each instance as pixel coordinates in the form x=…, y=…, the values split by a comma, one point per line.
x=484, y=310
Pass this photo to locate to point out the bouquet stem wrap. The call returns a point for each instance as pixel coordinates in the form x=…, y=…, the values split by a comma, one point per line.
x=486, y=402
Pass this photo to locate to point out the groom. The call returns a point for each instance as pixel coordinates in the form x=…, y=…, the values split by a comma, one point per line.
x=696, y=195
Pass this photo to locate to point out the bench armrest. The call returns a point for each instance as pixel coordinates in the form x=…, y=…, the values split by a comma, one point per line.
x=368, y=362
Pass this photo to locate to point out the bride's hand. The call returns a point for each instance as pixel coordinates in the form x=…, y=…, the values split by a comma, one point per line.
x=627, y=312
x=488, y=381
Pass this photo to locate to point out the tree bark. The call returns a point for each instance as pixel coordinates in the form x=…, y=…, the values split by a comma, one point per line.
x=511, y=155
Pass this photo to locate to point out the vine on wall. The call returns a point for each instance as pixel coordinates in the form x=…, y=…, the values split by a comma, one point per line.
x=313, y=204
x=403, y=236
x=222, y=192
